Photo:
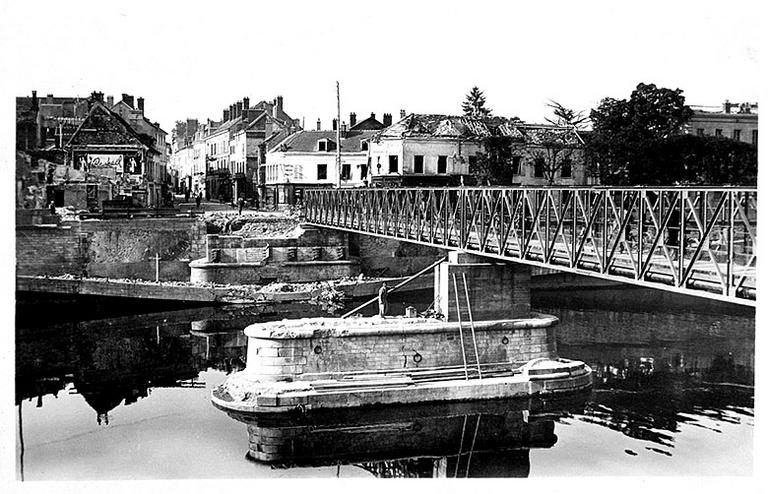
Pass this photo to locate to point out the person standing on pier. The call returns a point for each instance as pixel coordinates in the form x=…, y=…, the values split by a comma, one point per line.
x=383, y=305
x=198, y=199
x=240, y=204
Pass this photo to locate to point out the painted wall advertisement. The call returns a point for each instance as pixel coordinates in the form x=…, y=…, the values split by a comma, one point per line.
x=109, y=164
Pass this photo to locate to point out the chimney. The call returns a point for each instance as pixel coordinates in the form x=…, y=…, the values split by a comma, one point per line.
x=225, y=116
x=280, y=103
x=352, y=119
x=318, y=124
x=97, y=96
x=128, y=99
x=35, y=103
x=49, y=99
x=727, y=106
x=335, y=123
x=343, y=129
x=111, y=101
x=402, y=114
x=373, y=115
x=387, y=119
x=239, y=108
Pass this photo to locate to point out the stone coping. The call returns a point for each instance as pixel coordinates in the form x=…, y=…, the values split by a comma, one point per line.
x=326, y=327
x=203, y=263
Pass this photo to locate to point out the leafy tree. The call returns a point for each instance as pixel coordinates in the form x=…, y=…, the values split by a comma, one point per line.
x=494, y=165
x=623, y=130
x=685, y=159
x=474, y=105
x=179, y=132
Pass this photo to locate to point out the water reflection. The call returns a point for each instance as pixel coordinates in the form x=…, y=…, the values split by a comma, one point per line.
x=656, y=370
x=474, y=439
x=121, y=359
x=659, y=375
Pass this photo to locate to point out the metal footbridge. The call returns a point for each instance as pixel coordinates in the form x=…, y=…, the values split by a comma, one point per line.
x=696, y=241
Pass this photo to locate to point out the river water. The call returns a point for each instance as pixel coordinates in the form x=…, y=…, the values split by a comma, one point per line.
x=112, y=391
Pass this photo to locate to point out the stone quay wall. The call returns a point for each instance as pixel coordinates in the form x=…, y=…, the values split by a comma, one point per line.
x=315, y=349
x=118, y=248
x=387, y=257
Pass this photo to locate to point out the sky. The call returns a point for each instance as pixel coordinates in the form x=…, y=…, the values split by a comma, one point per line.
x=193, y=59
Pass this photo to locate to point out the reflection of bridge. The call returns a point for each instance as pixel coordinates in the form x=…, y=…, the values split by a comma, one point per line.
x=697, y=241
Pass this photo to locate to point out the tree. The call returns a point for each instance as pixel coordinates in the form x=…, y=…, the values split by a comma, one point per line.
x=566, y=117
x=179, y=132
x=553, y=150
x=474, y=105
x=494, y=165
x=624, y=130
x=685, y=159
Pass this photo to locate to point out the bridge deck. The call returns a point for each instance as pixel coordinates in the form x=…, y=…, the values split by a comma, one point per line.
x=696, y=241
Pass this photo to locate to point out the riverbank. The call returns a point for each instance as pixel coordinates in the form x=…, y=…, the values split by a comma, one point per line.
x=213, y=293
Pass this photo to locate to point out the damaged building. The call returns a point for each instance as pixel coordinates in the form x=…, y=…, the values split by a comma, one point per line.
x=78, y=152
x=440, y=150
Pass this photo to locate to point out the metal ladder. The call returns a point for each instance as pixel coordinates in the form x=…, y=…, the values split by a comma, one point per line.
x=471, y=326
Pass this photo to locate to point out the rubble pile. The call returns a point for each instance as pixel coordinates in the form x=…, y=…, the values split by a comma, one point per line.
x=249, y=224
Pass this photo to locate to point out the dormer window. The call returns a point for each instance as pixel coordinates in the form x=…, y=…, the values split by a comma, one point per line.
x=364, y=146
x=322, y=145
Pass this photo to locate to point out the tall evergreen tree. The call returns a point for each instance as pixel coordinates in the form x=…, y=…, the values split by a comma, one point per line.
x=474, y=104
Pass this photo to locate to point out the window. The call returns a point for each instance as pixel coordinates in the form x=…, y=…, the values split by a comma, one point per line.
x=538, y=167
x=736, y=134
x=363, y=172
x=346, y=171
x=754, y=137
x=392, y=163
x=364, y=146
x=565, y=169
x=322, y=172
x=516, y=165
x=700, y=132
x=321, y=145
x=442, y=164
x=719, y=132
x=418, y=164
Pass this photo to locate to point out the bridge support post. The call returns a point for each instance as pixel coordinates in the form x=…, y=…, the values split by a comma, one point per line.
x=497, y=290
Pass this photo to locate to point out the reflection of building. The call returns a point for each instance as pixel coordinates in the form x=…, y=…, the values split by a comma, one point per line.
x=470, y=439
x=109, y=362
x=737, y=121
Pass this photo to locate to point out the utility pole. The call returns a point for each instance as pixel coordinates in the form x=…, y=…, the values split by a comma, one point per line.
x=338, y=137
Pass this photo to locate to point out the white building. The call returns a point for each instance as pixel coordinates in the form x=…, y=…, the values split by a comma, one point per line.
x=308, y=159
x=427, y=149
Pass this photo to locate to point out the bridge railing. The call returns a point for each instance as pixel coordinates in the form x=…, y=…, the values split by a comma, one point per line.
x=688, y=239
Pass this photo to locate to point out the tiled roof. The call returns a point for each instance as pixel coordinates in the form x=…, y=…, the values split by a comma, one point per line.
x=305, y=141
x=453, y=126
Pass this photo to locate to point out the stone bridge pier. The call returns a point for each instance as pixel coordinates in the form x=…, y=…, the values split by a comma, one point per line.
x=497, y=290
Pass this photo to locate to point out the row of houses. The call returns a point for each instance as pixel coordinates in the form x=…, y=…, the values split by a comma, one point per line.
x=221, y=159
x=79, y=152
x=268, y=157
